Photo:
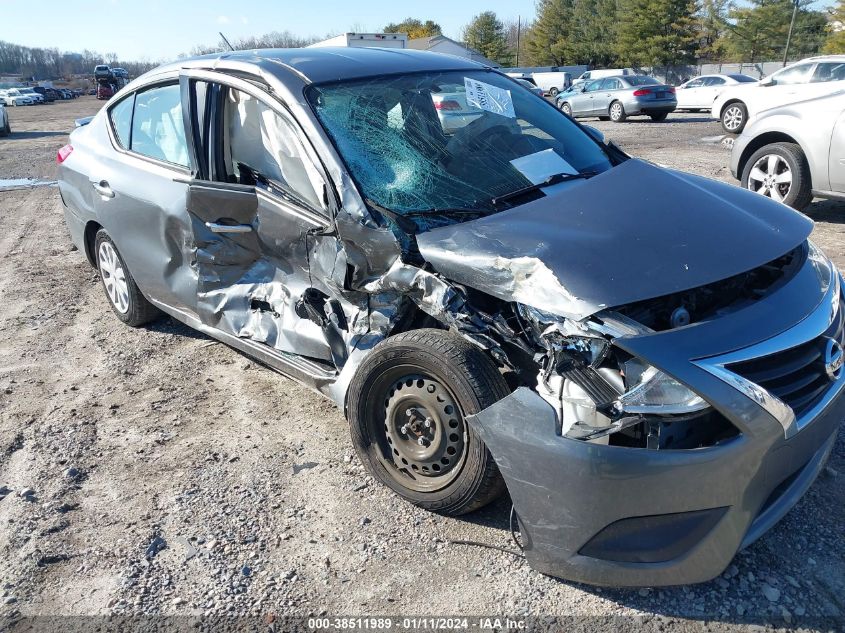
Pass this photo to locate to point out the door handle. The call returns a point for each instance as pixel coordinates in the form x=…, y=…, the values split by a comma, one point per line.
x=216, y=227
x=103, y=189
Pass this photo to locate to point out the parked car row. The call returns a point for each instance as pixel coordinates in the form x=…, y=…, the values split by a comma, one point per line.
x=36, y=95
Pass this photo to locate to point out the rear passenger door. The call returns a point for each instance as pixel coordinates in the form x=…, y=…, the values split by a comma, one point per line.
x=607, y=92
x=255, y=208
x=139, y=192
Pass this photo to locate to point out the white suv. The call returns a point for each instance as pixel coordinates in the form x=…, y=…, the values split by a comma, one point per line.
x=811, y=77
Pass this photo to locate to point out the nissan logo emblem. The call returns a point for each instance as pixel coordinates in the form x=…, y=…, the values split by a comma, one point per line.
x=833, y=359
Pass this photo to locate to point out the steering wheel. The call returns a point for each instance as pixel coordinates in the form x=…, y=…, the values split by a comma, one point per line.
x=492, y=138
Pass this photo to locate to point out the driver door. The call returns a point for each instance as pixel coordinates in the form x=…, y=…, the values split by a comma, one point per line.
x=255, y=208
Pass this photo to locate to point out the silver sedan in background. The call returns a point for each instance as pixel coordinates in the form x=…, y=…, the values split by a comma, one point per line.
x=617, y=98
x=795, y=152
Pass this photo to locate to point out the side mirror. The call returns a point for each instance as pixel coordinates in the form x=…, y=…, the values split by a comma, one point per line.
x=596, y=134
x=768, y=81
x=583, y=88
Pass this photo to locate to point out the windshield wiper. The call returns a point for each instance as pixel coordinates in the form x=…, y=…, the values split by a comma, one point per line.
x=406, y=224
x=551, y=180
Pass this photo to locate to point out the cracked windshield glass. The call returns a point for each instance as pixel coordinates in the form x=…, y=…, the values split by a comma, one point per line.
x=425, y=144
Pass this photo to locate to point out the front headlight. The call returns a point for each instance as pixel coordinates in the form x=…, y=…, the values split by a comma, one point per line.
x=657, y=393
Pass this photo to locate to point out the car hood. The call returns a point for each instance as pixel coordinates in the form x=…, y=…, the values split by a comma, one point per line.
x=634, y=232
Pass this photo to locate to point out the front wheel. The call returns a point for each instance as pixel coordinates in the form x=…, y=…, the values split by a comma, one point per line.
x=734, y=117
x=780, y=171
x=407, y=411
x=566, y=109
x=617, y=112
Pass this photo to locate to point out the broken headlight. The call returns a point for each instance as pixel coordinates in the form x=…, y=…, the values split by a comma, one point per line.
x=651, y=391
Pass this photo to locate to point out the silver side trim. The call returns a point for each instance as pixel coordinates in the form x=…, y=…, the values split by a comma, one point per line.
x=811, y=327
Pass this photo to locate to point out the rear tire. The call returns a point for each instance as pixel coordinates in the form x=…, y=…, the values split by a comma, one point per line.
x=780, y=171
x=734, y=117
x=617, y=112
x=406, y=409
x=122, y=292
x=553, y=92
x=659, y=117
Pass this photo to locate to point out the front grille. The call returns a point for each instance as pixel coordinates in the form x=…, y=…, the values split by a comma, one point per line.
x=796, y=375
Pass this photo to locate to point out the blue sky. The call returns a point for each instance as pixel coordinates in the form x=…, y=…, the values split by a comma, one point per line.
x=161, y=29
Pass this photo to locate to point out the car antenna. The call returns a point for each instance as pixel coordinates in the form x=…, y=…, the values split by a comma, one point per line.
x=231, y=48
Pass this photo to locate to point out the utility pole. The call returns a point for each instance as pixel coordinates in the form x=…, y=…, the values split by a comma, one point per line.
x=518, y=29
x=791, y=26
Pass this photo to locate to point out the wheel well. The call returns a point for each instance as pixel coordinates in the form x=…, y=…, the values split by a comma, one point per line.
x=90, y=235
x=729, y=103
x=761, y=141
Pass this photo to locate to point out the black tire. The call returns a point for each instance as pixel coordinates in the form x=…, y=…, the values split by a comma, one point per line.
x=566, y=109
x=378, y=395
x=553, y=91
x=604, y=118
x=734, y=117
x=138, y=310
x=616, y=111
x=800, y=191
x=7, y=129
x=659, y=117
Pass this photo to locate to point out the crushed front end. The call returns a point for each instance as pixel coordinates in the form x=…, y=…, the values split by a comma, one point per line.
x=649, y=455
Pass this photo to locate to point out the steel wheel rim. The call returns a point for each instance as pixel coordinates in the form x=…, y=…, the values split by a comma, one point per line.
x=615, y=111
x=771, y=176
x=733, y=118
x=407, y=405
x=114, y=277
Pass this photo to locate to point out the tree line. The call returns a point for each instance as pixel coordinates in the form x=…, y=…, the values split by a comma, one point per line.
x=596, y=33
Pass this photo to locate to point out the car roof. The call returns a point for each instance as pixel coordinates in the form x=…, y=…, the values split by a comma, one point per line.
x=322, y=64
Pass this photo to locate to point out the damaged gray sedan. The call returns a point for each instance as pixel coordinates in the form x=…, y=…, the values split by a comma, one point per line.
x=648, y=361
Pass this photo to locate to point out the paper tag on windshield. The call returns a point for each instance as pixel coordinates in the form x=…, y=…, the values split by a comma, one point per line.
x=539, y=166
x=490, y=98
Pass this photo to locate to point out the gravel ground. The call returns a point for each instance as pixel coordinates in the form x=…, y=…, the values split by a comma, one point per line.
x=154, y=471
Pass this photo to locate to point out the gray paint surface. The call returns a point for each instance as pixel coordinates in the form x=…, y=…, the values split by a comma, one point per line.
x=632, y=233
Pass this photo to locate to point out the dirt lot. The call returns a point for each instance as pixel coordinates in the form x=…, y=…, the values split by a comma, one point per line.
x=153, y=471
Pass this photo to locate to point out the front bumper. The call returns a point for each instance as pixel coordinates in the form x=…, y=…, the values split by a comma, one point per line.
x=618, y=516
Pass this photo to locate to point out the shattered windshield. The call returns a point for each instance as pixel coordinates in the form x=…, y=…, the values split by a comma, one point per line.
x=428, y=142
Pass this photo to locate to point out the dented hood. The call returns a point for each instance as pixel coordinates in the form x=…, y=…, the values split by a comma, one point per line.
x=631, y=233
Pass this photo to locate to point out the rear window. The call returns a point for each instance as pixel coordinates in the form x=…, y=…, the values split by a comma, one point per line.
x=641, y=80
x=742, y=78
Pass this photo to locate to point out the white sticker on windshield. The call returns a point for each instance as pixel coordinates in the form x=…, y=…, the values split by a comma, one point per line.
x=490, y=98
x=540, y=166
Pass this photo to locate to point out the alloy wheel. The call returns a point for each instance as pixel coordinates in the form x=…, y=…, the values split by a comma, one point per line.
x=616, y=111
x=733, y=118
x=566, y=109
x=114, y=277
x=771, y=176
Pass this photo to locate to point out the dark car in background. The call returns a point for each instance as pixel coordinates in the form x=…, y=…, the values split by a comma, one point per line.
x=649, y=361
x=48, y=93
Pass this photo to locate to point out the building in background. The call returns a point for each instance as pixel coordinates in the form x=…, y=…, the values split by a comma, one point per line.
x=448, y=46
x=366, y=40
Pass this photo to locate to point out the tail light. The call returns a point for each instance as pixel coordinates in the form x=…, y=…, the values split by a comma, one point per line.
x=63, y=153
x=448, y=104
x=672, y=89
x=641, y=92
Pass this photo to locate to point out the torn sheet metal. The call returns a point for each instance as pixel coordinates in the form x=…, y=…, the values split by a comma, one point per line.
x=613, y=240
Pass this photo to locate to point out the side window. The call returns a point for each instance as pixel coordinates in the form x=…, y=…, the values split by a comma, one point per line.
x=695, y=83
x=715, y=81
x=795, y=75
x=828, y=71
x=262, y=147
x=157, y=127
x=120, y=116
x=594, y=85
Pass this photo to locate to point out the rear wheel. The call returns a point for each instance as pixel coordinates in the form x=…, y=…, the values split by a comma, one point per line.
x=123, y=294
x=553, y=91
x=617, y=112
x=734, y=117
x=566, y=109
x=779, y=171
x=659, y=117
x=407, y=407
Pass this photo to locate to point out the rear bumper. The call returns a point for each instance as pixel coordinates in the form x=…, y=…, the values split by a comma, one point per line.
x=650, y=108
